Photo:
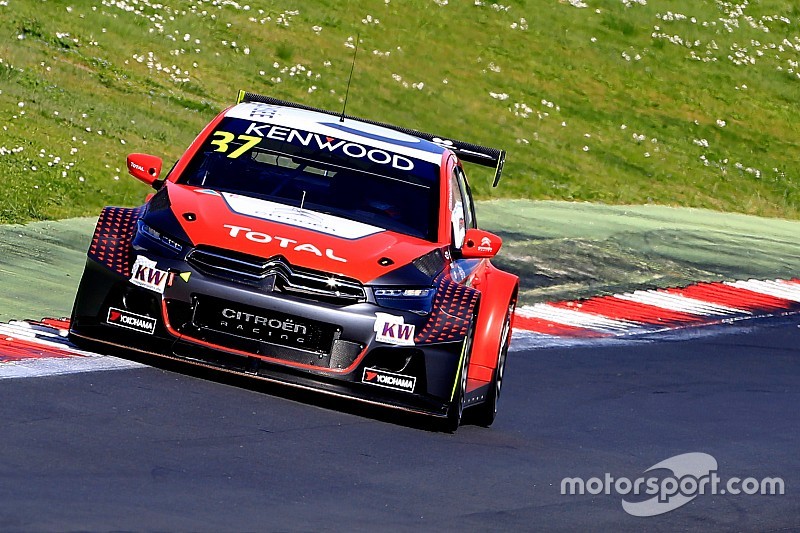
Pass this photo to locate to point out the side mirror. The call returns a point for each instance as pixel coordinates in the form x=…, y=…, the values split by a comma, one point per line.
x=480, y=244
x=144, y=167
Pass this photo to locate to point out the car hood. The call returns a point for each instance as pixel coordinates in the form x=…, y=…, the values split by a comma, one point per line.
x=304, y=238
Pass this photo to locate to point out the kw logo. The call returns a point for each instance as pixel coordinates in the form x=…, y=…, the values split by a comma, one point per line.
x=392, y=329
x=146, y=275
x=150, y=276
x=401, y=332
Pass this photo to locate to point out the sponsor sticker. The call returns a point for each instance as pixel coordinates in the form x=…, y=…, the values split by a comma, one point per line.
x=392, y=329
x=146, y=275
x=389, y=380
x=485, y=245
x=263, y=325
x=294, y=125
x=128, y=320
x=263, y=238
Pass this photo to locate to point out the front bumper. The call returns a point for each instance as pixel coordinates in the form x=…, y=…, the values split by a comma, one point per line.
x=276, y=337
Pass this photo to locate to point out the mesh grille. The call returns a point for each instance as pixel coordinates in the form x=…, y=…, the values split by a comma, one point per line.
x=160, y=200
x=431, y=263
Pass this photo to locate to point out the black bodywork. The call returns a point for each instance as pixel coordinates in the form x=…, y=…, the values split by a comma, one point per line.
x=216, y=301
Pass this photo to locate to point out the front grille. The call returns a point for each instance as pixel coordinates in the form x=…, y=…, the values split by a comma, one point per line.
x=276, y=274
x=247, y=329
x=263, y=325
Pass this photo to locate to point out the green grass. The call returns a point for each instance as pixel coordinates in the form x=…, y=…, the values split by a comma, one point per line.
x=608, y=108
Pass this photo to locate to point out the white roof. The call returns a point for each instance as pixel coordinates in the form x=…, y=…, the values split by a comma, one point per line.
x=330, y=125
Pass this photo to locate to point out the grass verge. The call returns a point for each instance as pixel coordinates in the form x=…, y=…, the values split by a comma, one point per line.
x=675, y=102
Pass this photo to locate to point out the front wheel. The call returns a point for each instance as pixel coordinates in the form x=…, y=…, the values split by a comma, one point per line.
x=486, y=412
x=455, y=413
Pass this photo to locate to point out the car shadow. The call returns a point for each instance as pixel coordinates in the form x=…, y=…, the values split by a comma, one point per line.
x=287, y=392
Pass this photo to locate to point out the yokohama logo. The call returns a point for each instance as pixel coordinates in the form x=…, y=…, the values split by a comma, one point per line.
x=128, y=320
x=381, y=378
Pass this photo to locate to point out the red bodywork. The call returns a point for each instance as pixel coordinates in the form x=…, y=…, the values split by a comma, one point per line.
x=216, y=225
x=209, y=220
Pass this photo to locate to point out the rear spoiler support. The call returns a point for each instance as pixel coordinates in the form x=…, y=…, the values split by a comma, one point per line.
x=471, y=153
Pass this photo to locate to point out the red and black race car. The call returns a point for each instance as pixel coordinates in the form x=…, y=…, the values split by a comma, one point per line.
x=314, y=249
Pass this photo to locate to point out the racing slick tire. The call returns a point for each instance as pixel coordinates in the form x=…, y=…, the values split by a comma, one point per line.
x=455, y=412
x=485, y=413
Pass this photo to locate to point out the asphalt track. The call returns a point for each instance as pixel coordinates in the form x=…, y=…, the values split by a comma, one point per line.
x=172, y=449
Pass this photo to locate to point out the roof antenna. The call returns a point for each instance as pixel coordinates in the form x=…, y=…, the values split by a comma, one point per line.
x=352, y=67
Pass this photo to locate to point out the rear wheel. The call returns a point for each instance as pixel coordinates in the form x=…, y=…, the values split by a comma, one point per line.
x=486, y=412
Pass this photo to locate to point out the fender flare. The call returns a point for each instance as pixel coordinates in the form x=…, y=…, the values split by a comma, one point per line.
x=498, y=290
x=113, y=237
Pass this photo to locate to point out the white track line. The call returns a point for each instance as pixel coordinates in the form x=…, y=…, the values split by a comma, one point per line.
x=36, y=368
x=54, y=338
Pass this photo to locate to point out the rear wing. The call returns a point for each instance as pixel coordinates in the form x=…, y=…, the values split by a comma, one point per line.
x=471, y=153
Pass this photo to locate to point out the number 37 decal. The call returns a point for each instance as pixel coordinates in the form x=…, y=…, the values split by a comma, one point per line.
x=222, y=140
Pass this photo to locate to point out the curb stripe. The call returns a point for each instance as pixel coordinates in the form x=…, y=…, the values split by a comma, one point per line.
x=31, y=330
x=646, y=311
x=62, y=324
x=546, y=327
x=36, y=348
x=28, y=340
x=572, y=318
x=17, y=350
x=674, y=302
x=778, y=289
x=630, y=311
x=730, y=295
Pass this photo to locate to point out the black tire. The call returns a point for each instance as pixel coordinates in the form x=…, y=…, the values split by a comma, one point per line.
x=455, y=413
x=486, y=412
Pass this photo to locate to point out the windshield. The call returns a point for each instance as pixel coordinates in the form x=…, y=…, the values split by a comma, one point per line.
x=319, y=173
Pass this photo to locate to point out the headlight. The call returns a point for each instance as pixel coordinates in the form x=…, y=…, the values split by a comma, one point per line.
x=417, y=301
x=161, y=238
